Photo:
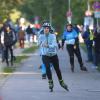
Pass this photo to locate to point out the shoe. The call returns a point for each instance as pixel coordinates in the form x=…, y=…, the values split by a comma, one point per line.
x=43, y=76
x=83, y=68
x=72, y=68
x=63, y=85
x=51, y=85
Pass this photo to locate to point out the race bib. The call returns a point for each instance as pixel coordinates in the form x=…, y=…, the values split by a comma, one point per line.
x=51, y=50
x=71, y=41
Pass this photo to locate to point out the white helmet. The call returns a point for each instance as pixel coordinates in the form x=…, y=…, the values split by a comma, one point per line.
x=46, y=24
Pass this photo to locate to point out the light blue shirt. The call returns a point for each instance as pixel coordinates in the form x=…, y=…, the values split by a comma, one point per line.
x=49, y=39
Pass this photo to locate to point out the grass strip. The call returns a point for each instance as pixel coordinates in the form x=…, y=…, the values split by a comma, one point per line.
x=10, y=69
x=30, y=50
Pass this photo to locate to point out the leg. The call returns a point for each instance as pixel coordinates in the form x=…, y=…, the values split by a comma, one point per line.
x=70, y=49
x=89, y=51
x=46, y=61
x=11, y=52
x=78, y=55
x=22, y=43
x=6, y=55
x=43, y=70
x=55, y=62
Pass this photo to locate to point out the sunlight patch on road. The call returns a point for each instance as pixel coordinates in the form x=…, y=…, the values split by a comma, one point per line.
x=21, y=73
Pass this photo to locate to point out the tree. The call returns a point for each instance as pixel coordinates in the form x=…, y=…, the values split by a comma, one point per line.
x=53, y=10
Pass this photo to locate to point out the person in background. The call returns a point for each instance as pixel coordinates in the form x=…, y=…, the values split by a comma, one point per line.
x=8, y=39
x=97, y=46
x=21, y=37
x=30, y=33
x=88, y=40
x=72, y=45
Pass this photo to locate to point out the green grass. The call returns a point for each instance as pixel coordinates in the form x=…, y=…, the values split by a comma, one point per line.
x=31, y=49
x=8, y=69
x=18, y=60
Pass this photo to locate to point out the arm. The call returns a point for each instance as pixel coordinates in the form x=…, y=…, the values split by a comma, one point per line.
x=42, y=42
x=63, y=40
x=39, y=40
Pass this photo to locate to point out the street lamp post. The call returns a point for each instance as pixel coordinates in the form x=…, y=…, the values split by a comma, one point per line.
x=69, y=13
x=88, y=20
x=69, y=4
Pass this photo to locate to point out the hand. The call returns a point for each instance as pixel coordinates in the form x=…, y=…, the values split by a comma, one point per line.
x=74, y=46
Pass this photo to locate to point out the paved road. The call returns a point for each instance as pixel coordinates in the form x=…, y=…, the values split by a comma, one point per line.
x=26, y=83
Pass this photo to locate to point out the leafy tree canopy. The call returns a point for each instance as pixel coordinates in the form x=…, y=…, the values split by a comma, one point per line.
x=44, y=8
